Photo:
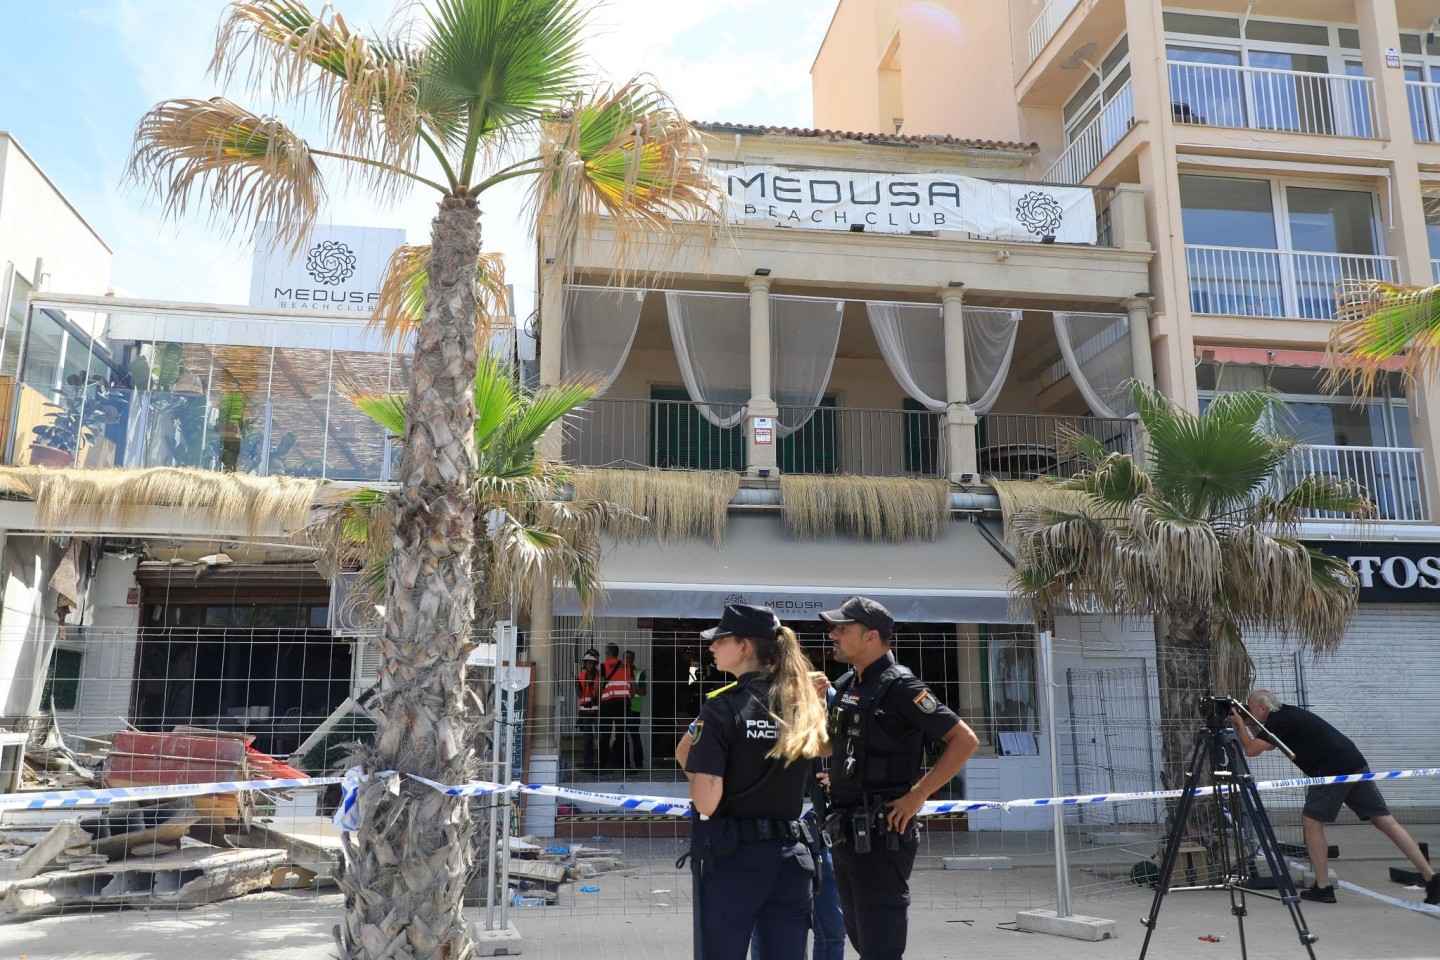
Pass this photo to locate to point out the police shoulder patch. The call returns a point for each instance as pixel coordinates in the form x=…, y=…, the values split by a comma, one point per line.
x=697, y=727
x=926, y=702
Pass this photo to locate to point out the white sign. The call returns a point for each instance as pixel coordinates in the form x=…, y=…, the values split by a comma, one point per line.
x=336, y=268
x=909, y=202
x=1392, y=58
x=764, y=430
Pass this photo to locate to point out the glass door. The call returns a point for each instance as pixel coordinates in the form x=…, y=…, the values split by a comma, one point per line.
x=1298, y=100
x=1335, y=236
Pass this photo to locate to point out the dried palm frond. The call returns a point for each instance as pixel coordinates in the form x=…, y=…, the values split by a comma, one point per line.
x=898, y=509
x=231, y=502
x=367, y=88
x=1377, y=322
x=1016, y=495
x=251, y=168
x=626, y=155
x=401, y=303
x=681, y=504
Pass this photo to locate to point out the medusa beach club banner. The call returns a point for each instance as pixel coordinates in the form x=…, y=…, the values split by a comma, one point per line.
x=909, y=203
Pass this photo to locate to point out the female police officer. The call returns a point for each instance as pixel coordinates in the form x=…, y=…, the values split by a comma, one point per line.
x=748, y=759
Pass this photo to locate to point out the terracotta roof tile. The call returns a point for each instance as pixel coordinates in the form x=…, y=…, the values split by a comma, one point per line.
x=880, y=138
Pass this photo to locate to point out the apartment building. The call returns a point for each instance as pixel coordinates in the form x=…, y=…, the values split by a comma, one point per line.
x=1281, y=147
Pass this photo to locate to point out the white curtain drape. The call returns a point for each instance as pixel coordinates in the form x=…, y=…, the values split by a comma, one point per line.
x=1096, y=348
x=711, y=333
x=600, y=325
x=804, y=334
x=912, y=341
x=990, y=334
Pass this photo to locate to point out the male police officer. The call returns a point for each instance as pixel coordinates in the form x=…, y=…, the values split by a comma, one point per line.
x=879, y=720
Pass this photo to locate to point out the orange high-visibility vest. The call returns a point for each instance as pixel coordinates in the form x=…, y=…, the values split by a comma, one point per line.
x=587, y=701
x=617, y=679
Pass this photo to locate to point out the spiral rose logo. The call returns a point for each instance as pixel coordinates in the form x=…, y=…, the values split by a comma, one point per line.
x=1040, y=213
x=736, y=598
x=331, y=263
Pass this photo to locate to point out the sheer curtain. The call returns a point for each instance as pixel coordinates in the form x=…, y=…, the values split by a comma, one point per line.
x=711, y=333
x=1096, y=348
x=804, y=334
x=912, y=341
x=600, y=325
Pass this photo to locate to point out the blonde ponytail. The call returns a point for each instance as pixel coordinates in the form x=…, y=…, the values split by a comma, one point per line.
x=794, y=703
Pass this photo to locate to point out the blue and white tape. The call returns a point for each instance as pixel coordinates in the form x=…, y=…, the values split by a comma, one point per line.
x=347, y=816
x=98, y=798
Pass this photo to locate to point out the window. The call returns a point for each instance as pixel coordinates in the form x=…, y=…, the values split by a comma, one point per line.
x=1269, y=248
x=1279, y=75
x=680, y=438
x=1421, y=63
x=62, y=683
x=1096, y=93
x=14, y=325
x=1432, y=228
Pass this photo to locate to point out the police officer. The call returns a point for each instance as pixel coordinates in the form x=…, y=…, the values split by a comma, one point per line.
x=748, y=760
x=879, y=719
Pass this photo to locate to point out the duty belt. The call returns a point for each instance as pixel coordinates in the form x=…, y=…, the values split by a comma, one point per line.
x=785, y=830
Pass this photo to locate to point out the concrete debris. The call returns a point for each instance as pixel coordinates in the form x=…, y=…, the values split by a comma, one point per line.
x=45, y=854
x=188, y=878
x=312, y=843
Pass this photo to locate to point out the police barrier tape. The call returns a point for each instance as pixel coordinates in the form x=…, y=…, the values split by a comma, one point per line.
x=668, y=806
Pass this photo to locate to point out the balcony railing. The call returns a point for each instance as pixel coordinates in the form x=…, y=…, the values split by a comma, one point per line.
x=1392, y=477
x=1435, y=271
x=1424, y=110
x=1256, y=98
x=1052, y=15
x=1016, y=446
x=1246, y=282
x=1096, y=141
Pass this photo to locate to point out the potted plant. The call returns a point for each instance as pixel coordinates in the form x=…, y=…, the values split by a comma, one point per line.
x=84, y=404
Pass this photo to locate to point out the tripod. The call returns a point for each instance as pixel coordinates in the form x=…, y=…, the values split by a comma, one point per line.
x=1235, y=800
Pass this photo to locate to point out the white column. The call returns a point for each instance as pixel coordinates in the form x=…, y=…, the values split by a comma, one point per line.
x=1141, y=361
x=552, y=339
x=960, y=420
x=761, y=456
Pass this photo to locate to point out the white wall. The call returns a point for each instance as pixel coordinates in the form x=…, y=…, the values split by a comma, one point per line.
x=37, y=221
x=111, y=627
x=27, y=624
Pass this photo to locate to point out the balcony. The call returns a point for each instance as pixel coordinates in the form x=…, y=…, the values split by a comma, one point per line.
x=1424, y=110
x=831, y=440
x=1247, y=282
x=1095, y=142
x=1392, y=477
x=1284, y=101
x=1048, y=23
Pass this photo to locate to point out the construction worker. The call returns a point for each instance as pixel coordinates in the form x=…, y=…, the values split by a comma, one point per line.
x=639, y=686
x=615, y=681
x=587, y=709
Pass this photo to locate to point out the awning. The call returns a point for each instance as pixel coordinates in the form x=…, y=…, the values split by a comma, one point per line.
x=1262, y=357
x=959, y=578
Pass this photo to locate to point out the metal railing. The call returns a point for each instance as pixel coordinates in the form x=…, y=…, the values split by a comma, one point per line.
x=1248, y=282
x=671, y=434
x=1019, y=446
x=1424, y=110
x=1052, y=15
x=1093, y=143
x=1258, y=98
x=860, y=441
x=1392, y=477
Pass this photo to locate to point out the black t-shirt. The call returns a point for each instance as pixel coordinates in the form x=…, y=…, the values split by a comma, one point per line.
x=908, y=705
x=1320, y=749
x=730, y=739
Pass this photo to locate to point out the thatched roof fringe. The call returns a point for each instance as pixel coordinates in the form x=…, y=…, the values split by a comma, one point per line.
x=681, y=504
x=898, y=509
x=235, y=503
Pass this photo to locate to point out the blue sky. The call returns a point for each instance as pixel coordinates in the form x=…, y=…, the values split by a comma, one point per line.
x=78, y=74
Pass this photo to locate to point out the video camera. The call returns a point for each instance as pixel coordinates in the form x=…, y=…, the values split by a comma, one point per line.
x=1212, y=706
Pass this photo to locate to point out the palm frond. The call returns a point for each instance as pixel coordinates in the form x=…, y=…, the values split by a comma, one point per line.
x=401, y=302
x=1377, y=322
x=366, y=88
x=248, y=168
x=625, y=154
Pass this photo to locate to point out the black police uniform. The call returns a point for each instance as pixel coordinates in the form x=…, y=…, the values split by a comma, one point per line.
x=757, y=875
x=878, y=725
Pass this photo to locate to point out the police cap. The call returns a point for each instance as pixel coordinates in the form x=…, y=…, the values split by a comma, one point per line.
x=744, y=620
x=864, y=611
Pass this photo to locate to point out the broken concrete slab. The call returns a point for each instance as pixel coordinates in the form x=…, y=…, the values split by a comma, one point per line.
x=190, y=878
x=311, y=842
x=47, y=852
x=537, y=870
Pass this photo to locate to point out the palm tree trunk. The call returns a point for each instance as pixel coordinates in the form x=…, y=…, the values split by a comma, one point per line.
x=1185, y=668
x=407, y=866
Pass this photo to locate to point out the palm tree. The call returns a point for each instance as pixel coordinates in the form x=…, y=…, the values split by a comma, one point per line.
x=447, y=102
x=1198, y=537
x=529, y=530
x=1379, y=322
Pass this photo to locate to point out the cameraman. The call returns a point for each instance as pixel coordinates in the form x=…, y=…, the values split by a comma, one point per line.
x=1322, y=751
